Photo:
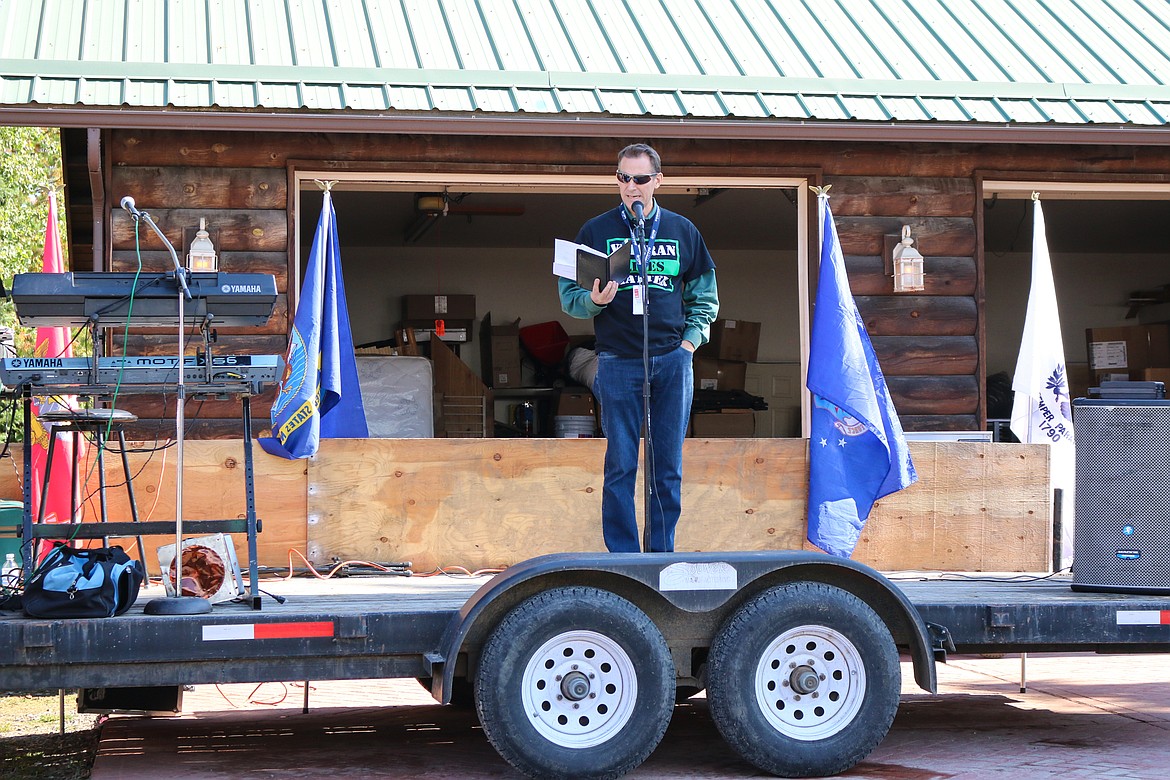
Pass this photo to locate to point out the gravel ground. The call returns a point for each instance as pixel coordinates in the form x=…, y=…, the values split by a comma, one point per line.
x=32, y=746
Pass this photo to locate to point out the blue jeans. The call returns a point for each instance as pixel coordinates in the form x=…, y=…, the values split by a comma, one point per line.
x=618, y=387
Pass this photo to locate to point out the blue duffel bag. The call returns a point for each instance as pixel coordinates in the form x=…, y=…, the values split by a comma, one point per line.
x=72, y=583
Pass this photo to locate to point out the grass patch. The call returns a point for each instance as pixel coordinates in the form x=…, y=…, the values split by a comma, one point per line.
x=31, y=744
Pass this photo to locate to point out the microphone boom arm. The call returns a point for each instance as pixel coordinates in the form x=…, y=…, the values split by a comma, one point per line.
x=180, y=272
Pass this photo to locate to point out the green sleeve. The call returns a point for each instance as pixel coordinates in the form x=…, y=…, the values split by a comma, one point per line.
x=701, y=304
x=575, y=300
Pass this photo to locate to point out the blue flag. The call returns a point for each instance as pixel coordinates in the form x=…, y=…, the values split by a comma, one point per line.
x=857, y=452
x=319, y=394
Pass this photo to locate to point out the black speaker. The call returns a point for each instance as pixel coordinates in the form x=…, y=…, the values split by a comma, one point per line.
x=1121, y=537
x=153, y=699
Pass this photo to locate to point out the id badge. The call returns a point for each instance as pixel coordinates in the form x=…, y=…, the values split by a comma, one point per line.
x=637, y=300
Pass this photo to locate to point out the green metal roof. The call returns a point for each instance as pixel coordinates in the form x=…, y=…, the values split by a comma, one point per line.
x=970, y=62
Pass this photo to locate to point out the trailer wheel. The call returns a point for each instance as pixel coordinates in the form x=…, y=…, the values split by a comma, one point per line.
x=804, y=680
x=575, y=682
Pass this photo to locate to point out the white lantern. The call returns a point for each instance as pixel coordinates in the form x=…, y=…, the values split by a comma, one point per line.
x=907, y=262
x=202, y=257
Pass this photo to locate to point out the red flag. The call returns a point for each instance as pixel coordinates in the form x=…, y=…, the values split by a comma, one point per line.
x=52, y=342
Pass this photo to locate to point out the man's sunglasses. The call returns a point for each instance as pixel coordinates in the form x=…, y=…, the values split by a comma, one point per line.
x=626, y=178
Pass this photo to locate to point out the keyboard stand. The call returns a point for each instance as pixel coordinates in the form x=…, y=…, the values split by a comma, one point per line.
x=249, y=525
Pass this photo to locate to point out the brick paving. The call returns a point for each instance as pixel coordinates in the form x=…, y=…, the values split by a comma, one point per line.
x=1083, y=716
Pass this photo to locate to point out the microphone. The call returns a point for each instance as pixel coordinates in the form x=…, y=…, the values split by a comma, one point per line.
x=637, y=205
x=128, y=204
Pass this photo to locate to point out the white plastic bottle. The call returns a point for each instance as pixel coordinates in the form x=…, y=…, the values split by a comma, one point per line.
x=8, y=572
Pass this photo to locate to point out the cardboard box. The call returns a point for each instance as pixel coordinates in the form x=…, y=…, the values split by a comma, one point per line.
x=1080, y=378
x=734, y=340
x=1154, y=375
x=724, y=424
x=500, y=353
x=438, y=307
x=576, y=403
x=719, y=374
x=1129, y=348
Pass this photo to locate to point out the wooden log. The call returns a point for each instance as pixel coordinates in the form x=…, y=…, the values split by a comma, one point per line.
x=918, y=315
x=202, y=187
x=680, y=156
x=138, y=344
x=277, y=325
x=163, y=407
x=199, y=429
x=933, y=236
x=938, y=355
x=235, y=230
x=215, y=149
x=934, y=394
x=902, y=196
x=944, y=160
x=944, y=276
x=275, y=263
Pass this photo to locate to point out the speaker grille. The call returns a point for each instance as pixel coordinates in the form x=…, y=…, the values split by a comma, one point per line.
x=1122, y=524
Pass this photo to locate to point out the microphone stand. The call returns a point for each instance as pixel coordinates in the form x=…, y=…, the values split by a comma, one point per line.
x=177, y=604
x=648, y=461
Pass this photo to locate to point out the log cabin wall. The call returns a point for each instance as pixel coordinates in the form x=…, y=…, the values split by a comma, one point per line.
x=929, y=344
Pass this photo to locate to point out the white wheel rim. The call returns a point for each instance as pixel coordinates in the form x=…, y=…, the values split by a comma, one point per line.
x=579, y=689
x=810, y=683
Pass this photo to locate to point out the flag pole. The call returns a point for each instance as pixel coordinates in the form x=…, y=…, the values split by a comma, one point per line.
x=1032, y=400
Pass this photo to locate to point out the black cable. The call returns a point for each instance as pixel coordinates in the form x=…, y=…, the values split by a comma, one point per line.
x=951, y=576
x=11, y=423
x=278, y=599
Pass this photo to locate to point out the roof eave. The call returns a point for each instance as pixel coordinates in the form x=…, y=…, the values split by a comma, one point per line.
x=436, y=123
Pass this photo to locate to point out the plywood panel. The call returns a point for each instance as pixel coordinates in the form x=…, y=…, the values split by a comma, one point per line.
x=483, y=503
x=213, y=489
x=976, y=507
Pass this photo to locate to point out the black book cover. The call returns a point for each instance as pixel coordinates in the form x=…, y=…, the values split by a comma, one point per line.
x=592, y=266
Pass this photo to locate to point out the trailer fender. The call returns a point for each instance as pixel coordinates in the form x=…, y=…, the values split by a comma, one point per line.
x=666, y=584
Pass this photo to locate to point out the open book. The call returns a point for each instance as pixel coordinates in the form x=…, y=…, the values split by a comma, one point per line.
x=583, y=263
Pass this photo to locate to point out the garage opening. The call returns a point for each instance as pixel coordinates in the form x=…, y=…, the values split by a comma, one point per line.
x=1109, y=247
x=491, y=236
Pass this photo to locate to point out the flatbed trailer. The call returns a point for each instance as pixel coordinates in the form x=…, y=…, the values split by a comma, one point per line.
x=575, y=661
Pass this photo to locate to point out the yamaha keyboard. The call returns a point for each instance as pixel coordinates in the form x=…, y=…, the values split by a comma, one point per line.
x=76, y=299
x=134, y=371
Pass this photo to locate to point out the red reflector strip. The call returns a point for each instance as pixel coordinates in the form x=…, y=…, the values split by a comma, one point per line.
x=292, y=630
x=250, y=631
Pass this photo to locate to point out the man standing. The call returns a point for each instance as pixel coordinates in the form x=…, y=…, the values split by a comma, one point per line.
x=683, y=302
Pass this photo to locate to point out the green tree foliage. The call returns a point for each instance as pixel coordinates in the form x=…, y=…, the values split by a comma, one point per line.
x=30, y=168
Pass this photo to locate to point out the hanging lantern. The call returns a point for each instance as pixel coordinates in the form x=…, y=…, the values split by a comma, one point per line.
x=907, y=262
x=201, y=256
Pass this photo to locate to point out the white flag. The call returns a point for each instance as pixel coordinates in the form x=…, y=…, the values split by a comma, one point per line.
x=1042, y=411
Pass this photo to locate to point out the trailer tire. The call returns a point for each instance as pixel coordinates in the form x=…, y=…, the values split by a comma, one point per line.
x=804, y=680
x=575, y=682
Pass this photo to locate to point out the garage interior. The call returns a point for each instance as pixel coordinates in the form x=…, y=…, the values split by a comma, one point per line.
x=1109, y=253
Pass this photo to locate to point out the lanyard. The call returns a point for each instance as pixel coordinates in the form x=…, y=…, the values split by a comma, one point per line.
x=649, y=241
